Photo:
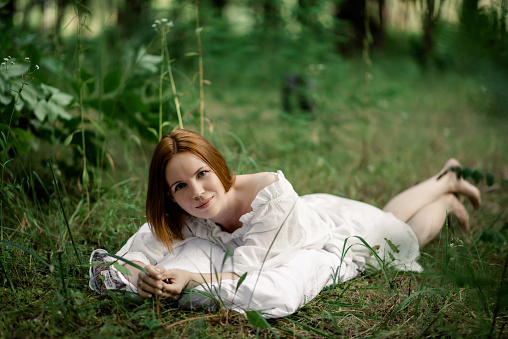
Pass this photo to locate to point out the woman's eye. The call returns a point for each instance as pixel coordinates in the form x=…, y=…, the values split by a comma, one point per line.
x=202, y=174
x=179, y=186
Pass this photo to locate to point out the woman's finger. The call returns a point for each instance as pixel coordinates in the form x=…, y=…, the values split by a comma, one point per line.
x=154, y=271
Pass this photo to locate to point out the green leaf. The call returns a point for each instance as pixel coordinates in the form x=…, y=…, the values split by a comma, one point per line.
x=477, y=176
x=55, y=111
x=68, y=140
x=198, y=30
x=5, y=86
x=489, y=178
x=112, y=80
x=392, y=245
x=41, y=110
x=96, y=126
x=62, y=98
x=467, y=173
x=5, y=99
x=86, y=178
x=256, y=319
x=121, y=269
x=30, y=96
x=191, y=54
x=154, y=132
x=240, y=281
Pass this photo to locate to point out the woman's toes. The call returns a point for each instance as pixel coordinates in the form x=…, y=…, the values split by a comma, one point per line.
x=471, y=192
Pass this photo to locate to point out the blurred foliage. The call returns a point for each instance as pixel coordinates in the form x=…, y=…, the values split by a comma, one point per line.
x=257, y=42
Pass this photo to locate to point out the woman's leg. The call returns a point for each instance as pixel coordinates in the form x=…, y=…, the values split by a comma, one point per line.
x=428, y=221
x=406, y=204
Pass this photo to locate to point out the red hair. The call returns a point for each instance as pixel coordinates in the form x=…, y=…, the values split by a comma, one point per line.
x=165, y=217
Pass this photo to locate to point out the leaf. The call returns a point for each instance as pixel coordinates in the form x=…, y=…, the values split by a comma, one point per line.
x=5, y=99
x=392, y=246
x=191, y=54
x=112, y=80
x=467, y=173
x=30, y=96
x=62, y=98
x=41, y=110
x=240, y=281
x=477, y=176
x=121, y=269
x=86, y=178
x=489, y=178
x=154, y=132
x=56, y=95
x=68, y=140
x=256, y=319
x=96, y=126
x=55, y=111
x=198, y=30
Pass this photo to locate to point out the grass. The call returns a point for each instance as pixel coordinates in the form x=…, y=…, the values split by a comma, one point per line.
x=366, y=142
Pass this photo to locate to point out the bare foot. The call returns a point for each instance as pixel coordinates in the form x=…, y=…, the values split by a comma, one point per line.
x=456, y=208
x=459, y=185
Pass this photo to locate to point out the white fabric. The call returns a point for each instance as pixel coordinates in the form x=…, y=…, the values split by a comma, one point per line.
x=282, y=223
x=290, y=246
x=276, y=292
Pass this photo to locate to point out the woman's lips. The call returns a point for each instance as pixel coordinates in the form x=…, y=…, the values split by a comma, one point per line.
x=205, y=203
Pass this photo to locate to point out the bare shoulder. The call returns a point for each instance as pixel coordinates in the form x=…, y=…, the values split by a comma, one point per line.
x=257, y=181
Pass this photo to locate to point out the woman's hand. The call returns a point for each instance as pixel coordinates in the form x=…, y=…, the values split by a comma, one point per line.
x=176, y=280
x=150, y=285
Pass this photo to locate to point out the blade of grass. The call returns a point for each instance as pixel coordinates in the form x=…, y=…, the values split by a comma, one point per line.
x=63, y=211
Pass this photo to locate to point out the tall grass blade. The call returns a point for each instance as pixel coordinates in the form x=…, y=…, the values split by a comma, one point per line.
x=127, y=261
x=27, y=251
x=63, y=211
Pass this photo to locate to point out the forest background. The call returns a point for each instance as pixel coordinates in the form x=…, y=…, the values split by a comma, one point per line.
x=355, y=98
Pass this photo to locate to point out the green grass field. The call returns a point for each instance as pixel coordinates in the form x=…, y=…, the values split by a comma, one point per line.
x=365, y=141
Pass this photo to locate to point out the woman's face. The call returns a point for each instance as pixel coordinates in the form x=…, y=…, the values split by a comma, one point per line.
x=194, y=186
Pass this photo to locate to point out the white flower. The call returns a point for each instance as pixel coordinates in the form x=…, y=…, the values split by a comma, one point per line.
x=154, y=25
x=170, y=24
x=5, y=59
x=3, y=63
x=37, y=67
x=164, y=20
x=12, y=62
x=27, y=59
x=158, y=22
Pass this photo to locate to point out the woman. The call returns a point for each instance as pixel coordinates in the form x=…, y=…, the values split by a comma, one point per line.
x=192, y=194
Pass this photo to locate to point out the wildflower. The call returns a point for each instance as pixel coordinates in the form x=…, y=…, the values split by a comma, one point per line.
x=154, y=25
x=12, y=62
x=3, y=63
x=170, y=24
x=158, y=22
x=27, y=59
x=164, y=20
x=37, y=67
x=5, y=59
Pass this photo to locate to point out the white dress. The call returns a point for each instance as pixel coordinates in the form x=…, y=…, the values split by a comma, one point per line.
x=282, y=223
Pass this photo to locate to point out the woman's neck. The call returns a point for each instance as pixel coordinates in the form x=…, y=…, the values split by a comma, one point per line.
x=236, y=206
x=240, y=197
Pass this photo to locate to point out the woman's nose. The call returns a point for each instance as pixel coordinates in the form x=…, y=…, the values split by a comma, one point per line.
x=197, y=190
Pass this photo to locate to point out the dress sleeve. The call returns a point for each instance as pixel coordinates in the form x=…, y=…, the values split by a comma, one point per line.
x=145, y=247
x=273, y=234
